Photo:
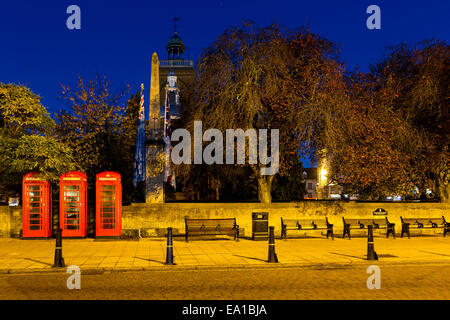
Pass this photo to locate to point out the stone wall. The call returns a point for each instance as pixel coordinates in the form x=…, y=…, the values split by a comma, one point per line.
x=152, y=220
x=10, y=222
x=154, y=217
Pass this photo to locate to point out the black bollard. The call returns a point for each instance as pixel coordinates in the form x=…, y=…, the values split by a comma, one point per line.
x=272, y=255
x=371, y=254
x=169, y=255
x=59, y=260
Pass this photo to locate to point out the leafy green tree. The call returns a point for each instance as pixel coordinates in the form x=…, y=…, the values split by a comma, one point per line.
x=27, y=141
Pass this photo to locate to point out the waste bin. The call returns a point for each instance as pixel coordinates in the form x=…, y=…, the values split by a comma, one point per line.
x=260, y=226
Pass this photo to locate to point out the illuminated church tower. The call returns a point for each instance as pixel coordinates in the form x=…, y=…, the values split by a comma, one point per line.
x=168, y=78
x=172, y=97
x=178, y=64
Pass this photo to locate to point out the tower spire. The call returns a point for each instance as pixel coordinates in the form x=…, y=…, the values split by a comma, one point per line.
x=175, y=46
x=175, y=20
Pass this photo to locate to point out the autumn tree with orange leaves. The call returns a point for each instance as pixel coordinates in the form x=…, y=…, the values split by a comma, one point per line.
x=100, y=127
x=392, y=138
x=362, y=144
x=413, y=82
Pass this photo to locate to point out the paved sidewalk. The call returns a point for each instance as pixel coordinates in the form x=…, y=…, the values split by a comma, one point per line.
x=18, y=256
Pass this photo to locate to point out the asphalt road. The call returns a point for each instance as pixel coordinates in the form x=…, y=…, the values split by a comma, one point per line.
x=397, y=282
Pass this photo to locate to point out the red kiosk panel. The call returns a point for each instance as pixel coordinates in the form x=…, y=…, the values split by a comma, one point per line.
x=73, y=204
x=36, y=207
x=108, y=205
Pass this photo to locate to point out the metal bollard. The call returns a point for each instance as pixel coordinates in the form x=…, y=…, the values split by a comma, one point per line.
x=272, y=255
x=371, y=254
x=169, y=255
x=59, y=260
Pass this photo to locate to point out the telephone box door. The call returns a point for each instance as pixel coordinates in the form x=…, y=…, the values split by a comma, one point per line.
x=108, y=205
x=36, y=207
x=73, y=187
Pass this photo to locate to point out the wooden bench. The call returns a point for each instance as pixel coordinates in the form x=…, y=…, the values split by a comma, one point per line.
x=306, y=225
x=363, y=223
x=424, y=223
x=211, y=227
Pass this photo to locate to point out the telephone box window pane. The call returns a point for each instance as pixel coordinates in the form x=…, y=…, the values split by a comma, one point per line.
x=34, y=224
x=34, y=193
x=71, y=202
x=107, y=207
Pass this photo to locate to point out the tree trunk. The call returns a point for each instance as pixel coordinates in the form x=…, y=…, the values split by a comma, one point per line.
x=265, y=188
x=217, y=189
x=443, y=191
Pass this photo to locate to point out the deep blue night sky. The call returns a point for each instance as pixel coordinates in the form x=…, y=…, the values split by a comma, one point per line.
x=117, y=38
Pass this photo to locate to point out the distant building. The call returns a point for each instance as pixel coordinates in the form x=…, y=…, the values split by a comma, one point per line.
x=310, y=178
x=334, y=191
x=331, y=191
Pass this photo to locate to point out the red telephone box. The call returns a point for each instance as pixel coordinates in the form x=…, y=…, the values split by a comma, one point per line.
x=36, y=207
x=73, y=204
x=108, y=205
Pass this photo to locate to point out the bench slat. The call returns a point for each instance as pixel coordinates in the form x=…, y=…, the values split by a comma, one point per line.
x=225, y=226
x=424, y=223
x=305, y=225
x=363, y=223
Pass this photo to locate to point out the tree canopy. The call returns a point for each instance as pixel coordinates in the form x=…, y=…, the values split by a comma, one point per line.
x=268, y=78
x=99, y=125
x=27, y=140
x=413, y=82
